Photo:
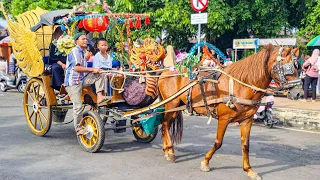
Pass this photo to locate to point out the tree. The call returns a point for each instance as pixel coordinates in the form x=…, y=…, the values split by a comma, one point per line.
x=6, y=4
x=310, y=24
x=18, y=6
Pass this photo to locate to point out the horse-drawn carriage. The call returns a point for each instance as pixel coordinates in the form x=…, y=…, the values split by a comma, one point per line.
x=231, y=94
x=42, y=105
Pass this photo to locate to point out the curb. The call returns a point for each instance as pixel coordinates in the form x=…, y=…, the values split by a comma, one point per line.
x=302, y=118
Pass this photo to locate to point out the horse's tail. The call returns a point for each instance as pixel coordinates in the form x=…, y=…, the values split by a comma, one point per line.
x=177, y=128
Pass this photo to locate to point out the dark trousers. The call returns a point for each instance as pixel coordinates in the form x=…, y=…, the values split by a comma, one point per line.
x=57, y=78
x=307, y=81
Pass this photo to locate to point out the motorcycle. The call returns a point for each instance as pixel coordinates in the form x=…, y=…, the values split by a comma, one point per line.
x=265, y=114
x=16, y=81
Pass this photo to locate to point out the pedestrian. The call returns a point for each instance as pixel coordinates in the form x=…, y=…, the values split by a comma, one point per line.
x=78, y=75
x=302, y=73
x=312, y=73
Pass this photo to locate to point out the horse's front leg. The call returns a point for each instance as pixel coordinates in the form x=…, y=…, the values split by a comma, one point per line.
x=222, y=126
x=245, y=128
x=167, y=141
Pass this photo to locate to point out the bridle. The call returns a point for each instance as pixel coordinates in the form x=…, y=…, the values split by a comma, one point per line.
x=281, y=70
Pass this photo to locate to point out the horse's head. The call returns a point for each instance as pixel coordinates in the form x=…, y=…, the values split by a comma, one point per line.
x=285, y=66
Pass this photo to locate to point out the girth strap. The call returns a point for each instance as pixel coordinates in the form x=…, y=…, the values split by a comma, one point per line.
x=204, y=98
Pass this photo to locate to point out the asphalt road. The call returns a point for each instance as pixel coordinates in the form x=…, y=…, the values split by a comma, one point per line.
x=276, y=154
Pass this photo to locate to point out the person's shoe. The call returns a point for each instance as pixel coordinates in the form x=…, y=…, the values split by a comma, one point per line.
x=313, y=101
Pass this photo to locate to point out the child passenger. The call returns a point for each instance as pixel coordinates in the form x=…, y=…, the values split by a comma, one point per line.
x=102, y=59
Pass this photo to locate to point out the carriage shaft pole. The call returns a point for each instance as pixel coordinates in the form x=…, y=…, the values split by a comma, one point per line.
x=163, y=102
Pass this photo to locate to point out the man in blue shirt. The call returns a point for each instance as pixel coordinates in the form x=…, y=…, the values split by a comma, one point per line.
x=78, y=75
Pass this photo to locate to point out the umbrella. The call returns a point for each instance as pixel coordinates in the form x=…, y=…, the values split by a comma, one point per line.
x=315, y=41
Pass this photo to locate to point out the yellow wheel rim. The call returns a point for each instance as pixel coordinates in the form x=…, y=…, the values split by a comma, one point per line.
x=140, y=132
x=90, y=138
x=37, y=112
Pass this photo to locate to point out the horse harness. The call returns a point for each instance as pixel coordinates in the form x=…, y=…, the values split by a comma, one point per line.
x=281, y=70
x=229, y=101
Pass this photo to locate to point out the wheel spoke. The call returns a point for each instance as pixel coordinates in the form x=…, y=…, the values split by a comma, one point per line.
x=31, y=116
x=95, y=134
x=35, y=121
x=90, y=142
x=43, y=107
x=41, y=99
x=40, y=122
x=29, y=105
x=33, y=91
x=30, y=96
x=38, y=92
x=44, y=117
x=94, y=140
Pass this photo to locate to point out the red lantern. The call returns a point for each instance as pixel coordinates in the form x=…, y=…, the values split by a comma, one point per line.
x=94, y=24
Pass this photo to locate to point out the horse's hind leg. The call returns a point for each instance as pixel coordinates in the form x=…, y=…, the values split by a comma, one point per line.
x=222, y=126
x=245, y=128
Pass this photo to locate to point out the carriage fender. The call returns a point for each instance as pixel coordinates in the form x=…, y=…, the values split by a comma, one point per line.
x=88, y=91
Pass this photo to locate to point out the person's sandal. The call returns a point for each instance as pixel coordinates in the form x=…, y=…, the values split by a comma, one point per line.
x=106, y=99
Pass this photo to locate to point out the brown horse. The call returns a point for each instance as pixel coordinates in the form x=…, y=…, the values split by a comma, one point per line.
x=257, y=70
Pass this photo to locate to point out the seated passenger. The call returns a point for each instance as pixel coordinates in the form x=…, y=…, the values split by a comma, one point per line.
x=78, y=75
x=58, y=62
x=102, y=59
x=90, y=53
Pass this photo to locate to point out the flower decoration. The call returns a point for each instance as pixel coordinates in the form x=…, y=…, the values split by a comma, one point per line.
x=64, y=44
x=180, y=57
x=188, y=61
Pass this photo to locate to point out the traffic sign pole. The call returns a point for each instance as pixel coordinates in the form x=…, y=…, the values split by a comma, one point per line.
x=198, y=6
x=199, y=32
x=199, y=36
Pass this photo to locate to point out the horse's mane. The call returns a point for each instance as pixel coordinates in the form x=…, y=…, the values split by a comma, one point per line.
x=253, y=69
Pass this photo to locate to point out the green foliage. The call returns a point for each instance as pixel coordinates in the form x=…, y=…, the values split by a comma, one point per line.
x=187, y=61
x=18, y=6
x=6, y=4
x=227, y=19
x=310, y=24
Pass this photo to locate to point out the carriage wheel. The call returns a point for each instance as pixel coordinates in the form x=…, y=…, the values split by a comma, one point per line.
x=93, y=139
x=142, y=136
x=37, y=111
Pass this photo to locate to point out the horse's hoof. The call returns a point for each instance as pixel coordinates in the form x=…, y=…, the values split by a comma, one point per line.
x=170, y=158
x=204, y=167
x=254, y=176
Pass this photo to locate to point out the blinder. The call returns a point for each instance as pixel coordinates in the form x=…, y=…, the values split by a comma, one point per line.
x=281, y=70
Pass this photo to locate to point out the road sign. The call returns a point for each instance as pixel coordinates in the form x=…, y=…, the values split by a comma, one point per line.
x=199, y=5
x=201, y=18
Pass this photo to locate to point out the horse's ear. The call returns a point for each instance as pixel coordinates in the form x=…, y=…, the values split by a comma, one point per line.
x=286, y=51
x=268, y=48
x=297, y=51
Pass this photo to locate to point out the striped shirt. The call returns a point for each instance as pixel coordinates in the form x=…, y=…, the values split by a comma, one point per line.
x=75, y=57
